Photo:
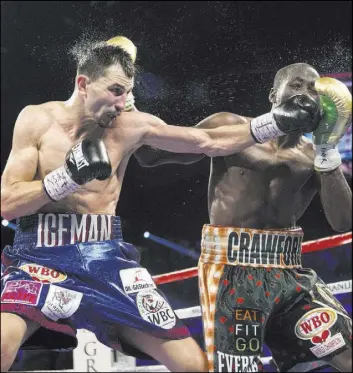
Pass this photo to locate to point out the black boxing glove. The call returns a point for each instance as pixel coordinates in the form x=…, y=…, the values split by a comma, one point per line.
x=294, y=113
x=86, y=161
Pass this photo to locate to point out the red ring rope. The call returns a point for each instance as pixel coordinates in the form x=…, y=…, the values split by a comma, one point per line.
x=307, y=247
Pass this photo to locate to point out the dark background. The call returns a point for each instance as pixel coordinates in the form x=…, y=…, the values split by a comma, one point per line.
x=194, y=59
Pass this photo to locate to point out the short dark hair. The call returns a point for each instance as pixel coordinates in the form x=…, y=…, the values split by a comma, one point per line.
x=93, y=60
x=283, y=73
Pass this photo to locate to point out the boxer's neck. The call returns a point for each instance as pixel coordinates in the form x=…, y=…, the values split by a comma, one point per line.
x=79, y=123
x=290, y=140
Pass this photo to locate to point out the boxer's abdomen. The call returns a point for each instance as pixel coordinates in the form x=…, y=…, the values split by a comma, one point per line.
x=273, y=198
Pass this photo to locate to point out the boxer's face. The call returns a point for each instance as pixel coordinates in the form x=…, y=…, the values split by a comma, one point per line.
x=105, y=97
x=300, y=81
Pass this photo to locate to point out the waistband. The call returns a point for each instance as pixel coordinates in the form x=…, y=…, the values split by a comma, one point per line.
x=251, y=247
x=53, y=229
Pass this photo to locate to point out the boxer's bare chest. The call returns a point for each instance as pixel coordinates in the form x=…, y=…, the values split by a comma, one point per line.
x=56, y=143
x=261, y=187
x=95, y=196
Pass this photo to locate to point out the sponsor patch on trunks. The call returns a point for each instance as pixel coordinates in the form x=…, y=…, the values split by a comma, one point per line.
x=315, y=324
x=155, y=309
x=22, y=292
x=136, y=279
x=247, y=331
x=61, y=303
x=327, y=345
x=234, y=363
x=43, y=274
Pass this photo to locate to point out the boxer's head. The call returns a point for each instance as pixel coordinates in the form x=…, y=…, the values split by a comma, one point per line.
x=295, y=79
x=105, y=75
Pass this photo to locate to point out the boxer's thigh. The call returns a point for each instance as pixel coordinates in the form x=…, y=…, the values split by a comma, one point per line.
x=15, y=330
x=178, y=355
x=233, y=320
x=317, y=328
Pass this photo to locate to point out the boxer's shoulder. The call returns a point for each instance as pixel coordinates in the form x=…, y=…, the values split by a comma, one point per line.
x=33, y=120
x=227, y=118
x=222, y=118
x=136, y=120
x=30, y=112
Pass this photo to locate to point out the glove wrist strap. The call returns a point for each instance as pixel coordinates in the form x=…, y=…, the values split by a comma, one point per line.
x=264, y=128
x=58, y=184
x=327, y=158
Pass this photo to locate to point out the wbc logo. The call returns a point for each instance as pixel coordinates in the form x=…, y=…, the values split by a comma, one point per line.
x=315, y=325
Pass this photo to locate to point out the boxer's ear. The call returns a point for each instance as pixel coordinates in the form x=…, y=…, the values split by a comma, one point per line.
x=82, y=81
x=272, y=95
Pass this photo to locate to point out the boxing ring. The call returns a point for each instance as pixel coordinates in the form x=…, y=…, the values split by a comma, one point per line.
x=91, y=355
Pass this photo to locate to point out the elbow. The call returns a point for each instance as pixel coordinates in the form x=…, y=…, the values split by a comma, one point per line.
x=6, y=211
x=7, y=214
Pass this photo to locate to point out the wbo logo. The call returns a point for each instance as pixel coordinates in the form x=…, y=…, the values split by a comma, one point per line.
x=43, y=274
x=316, y=323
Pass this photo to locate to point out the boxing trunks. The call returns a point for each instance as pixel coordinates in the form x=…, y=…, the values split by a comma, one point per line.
x=68, y=272
x=253, y=290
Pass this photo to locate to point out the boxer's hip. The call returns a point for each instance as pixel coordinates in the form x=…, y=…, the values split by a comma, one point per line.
x=279, y=248
x=78, y=270
x=56, y=229
x=70, y=243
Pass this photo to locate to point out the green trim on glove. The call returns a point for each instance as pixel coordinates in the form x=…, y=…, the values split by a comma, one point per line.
x=329, y=108
x=330, y=115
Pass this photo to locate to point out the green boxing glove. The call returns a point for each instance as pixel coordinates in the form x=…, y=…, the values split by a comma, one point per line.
x=336, y=102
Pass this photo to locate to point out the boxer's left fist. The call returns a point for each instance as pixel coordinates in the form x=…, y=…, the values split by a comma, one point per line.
x=130, y=101
x=336, y=104
x=126, y=44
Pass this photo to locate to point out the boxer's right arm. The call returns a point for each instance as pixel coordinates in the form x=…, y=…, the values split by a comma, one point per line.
x=151, y=157
x=148, y=156
x=229, y=138
x=20, y=194
x=231, y=133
